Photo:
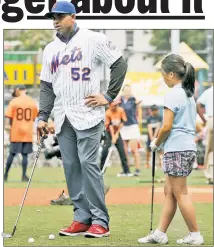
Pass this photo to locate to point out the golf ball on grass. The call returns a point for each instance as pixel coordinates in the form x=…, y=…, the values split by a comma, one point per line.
x=31, y=240
x=51, y=237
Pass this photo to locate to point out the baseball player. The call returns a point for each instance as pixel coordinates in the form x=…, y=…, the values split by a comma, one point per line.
x=21, y=112
x=115, y=117
x=70, y=84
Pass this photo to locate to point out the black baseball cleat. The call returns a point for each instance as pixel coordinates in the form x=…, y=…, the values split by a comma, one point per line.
x=5, y=177
x=63, y=199
x=137, y=173
x=25, y=178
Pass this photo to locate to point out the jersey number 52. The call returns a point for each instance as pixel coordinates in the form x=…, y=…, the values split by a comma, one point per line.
x=78, y=74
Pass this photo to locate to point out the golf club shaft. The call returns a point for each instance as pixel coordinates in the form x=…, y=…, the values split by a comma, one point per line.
x=107, y=160
x=153, y=181
x=26, y=191
x=14, y=229
x=153, y=165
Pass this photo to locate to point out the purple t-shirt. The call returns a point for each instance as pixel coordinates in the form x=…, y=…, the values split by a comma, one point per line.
x=130, y=108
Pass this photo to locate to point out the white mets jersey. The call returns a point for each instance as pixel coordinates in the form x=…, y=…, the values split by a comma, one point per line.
x=74, y=69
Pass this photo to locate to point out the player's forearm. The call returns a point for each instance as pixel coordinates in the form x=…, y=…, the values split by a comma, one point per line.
x=111, y=130
x=150, y=132
x=119, y=128
x=46, y=102
x=118, y=72
x=200, y=110
x=163, y=135
x=157, y=130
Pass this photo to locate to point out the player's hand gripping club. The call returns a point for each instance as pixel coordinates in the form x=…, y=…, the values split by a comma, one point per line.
x=95, y=100
x=42, y=130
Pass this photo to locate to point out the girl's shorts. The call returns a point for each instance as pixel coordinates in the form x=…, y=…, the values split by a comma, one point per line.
x=179, y=164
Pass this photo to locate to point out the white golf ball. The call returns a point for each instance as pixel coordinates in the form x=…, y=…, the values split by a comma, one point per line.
x=51, y=237
x=31, y=240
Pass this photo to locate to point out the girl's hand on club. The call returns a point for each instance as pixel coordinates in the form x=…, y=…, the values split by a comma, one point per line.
x=153, y=146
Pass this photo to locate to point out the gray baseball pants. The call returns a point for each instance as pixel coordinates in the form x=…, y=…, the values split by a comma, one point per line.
x=79, y=150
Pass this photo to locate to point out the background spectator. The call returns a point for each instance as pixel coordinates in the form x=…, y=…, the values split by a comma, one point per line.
x=153, y=126
x=206, y=101
x=130, y=132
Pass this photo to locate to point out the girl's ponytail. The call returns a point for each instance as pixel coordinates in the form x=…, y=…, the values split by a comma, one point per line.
x=188, y=81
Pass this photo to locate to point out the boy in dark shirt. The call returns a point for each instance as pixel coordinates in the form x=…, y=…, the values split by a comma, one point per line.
x=153, y=125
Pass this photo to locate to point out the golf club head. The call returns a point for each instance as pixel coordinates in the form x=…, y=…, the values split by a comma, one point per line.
x=6, y=235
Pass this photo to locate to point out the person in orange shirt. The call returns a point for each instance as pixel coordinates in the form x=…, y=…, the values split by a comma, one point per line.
x=115, y=117
x=21, y=112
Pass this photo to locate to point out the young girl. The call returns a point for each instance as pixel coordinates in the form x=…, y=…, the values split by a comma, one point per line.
x=178, y=134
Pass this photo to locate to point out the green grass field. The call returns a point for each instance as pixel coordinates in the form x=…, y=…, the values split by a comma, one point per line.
x=128, y=222
x=54, y=178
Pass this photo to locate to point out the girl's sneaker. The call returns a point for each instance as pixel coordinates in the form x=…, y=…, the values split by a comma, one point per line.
x=189, y=239
x=123, y=174
x=137, y=173
x=154, y=239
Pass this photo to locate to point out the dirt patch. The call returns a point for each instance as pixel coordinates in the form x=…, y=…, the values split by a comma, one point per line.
x=36, y=196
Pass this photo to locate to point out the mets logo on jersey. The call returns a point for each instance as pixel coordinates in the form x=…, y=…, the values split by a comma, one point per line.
x=76, y=55
x=110, y=45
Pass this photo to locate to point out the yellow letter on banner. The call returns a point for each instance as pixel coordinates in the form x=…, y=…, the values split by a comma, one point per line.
x=21, y=74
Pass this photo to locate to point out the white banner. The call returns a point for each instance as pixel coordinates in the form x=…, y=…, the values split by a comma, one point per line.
x=115, y=14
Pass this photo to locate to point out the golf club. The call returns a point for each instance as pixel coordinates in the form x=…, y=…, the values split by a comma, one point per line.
x=107, y=160
x=153, y=181
x=10, y=235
